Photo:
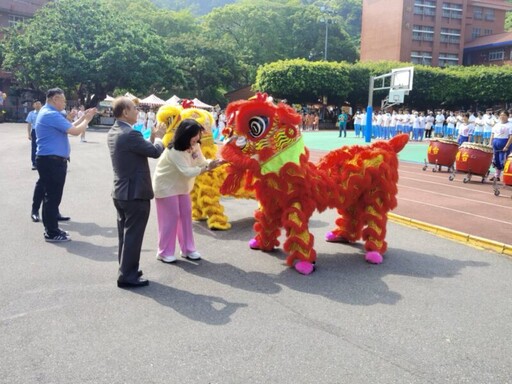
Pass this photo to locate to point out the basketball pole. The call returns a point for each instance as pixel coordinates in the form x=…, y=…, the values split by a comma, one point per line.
x=369, y=113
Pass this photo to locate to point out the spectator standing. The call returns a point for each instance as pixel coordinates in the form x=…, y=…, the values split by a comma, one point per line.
x=316, y=121
x=464, y=129
x=429, y=124
x=357, y=123
x=132, y=190
x=151, y=119
x=80, y=113
x=342, y=123
x=52, y=156
x=501, y=141
x=439, y=122
x=488, y=120
x=31, y=121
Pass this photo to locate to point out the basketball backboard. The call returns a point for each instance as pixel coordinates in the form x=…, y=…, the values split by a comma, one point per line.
x=401, y=79
x=396, y=96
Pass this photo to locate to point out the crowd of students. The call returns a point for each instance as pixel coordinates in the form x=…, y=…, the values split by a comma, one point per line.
x=460, y=126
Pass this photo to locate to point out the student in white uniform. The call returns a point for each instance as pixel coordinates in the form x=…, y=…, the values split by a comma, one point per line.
x=501, y=141
x=478, y=133
x=451, y=120
x=463, y=129
x=488, y=120
x=392, y=124
x=438, y=127
x=429, y=124
x=357, y=123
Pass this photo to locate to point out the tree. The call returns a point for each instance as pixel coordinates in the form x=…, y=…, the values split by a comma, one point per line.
x=85, y=47
x=303, y=81
x=260, y=31
x=207, y=69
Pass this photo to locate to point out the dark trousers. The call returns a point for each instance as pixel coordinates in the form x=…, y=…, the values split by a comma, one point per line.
x=343, y=128
x=38, y=197
x=132, y=217
x=52, y=176
x=34, y=146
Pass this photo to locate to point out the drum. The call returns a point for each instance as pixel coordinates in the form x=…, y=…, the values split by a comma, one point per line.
x=442, y=152
x=474, y=159
x=507, y=171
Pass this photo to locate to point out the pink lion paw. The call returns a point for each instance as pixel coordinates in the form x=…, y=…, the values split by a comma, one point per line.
x=332, y=238
x=304, y=267
x=374, y=257
x=254, y=244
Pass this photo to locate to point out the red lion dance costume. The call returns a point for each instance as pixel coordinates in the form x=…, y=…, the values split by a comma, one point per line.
x=266, y=155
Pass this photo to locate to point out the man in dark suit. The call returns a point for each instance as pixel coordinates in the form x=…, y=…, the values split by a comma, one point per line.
x=132, y=189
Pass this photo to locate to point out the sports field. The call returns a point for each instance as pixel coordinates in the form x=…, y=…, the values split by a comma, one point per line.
x=329, y=140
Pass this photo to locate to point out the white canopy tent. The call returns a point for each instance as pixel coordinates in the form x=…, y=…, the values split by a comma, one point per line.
x=199, y=104
x=153, y=101
x=130, y=96
x=174, y=100
x=107, y=102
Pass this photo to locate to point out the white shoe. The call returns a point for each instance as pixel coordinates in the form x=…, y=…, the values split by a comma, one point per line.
x=166, y=259
x=192, y=255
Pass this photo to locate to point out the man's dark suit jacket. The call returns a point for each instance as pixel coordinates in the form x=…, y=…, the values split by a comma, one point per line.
x=132, y=192
x=129, y=152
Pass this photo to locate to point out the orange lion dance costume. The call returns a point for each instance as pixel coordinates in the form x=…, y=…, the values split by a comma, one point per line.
x=267, y=156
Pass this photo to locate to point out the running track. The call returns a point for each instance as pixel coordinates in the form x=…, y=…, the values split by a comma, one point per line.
x=470, y=208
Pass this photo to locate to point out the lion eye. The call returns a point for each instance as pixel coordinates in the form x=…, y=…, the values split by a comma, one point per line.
x=258, y=126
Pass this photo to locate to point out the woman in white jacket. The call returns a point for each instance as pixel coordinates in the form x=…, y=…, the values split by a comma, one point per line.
x=173, y=181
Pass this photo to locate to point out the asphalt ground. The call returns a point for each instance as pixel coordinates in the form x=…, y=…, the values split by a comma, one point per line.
x=436, y=311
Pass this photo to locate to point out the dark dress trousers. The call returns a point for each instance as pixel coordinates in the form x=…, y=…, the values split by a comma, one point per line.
x=132, y=192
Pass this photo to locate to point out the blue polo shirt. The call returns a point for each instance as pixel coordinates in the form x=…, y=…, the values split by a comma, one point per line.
x=31, y=119
x=52, y=132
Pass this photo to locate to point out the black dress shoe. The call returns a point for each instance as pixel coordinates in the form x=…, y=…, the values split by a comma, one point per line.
x=140, y=282
x=140, y=273
x=63, y=218
x=35, y=217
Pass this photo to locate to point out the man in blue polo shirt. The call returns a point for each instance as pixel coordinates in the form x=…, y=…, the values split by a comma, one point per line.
x=31, y=121
x=52, y=156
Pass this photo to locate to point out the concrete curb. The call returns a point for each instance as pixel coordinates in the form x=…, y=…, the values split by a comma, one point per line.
x=474, y=241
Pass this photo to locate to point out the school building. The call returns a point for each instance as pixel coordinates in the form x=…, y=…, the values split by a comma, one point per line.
x=436, y=32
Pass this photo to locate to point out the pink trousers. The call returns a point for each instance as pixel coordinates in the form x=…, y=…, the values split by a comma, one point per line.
x=174, y=214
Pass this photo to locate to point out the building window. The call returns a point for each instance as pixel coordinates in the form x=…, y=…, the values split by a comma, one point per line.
x=14, y=19
x=452, y=10
x=489, y=14
x=425, y=7
x=422, y=32
x=487, y=32
x=497, y=55
x=446, y=59
x=476, y=32
x=450, y=36
x=478, y=13
x=424, y=58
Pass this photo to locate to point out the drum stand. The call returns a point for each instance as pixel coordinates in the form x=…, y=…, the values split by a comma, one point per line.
x=437, y=168
x=497, y=186
x=468, y=176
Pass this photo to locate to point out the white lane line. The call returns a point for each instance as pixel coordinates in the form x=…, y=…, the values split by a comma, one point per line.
x=490, y=192
x=458, y=211
x=456, y=197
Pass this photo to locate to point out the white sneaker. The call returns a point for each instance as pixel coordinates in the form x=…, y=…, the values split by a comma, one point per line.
x=166, y=259
x=192, y=255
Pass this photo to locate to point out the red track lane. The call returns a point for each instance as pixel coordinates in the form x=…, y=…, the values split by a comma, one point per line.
x=470, y=207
